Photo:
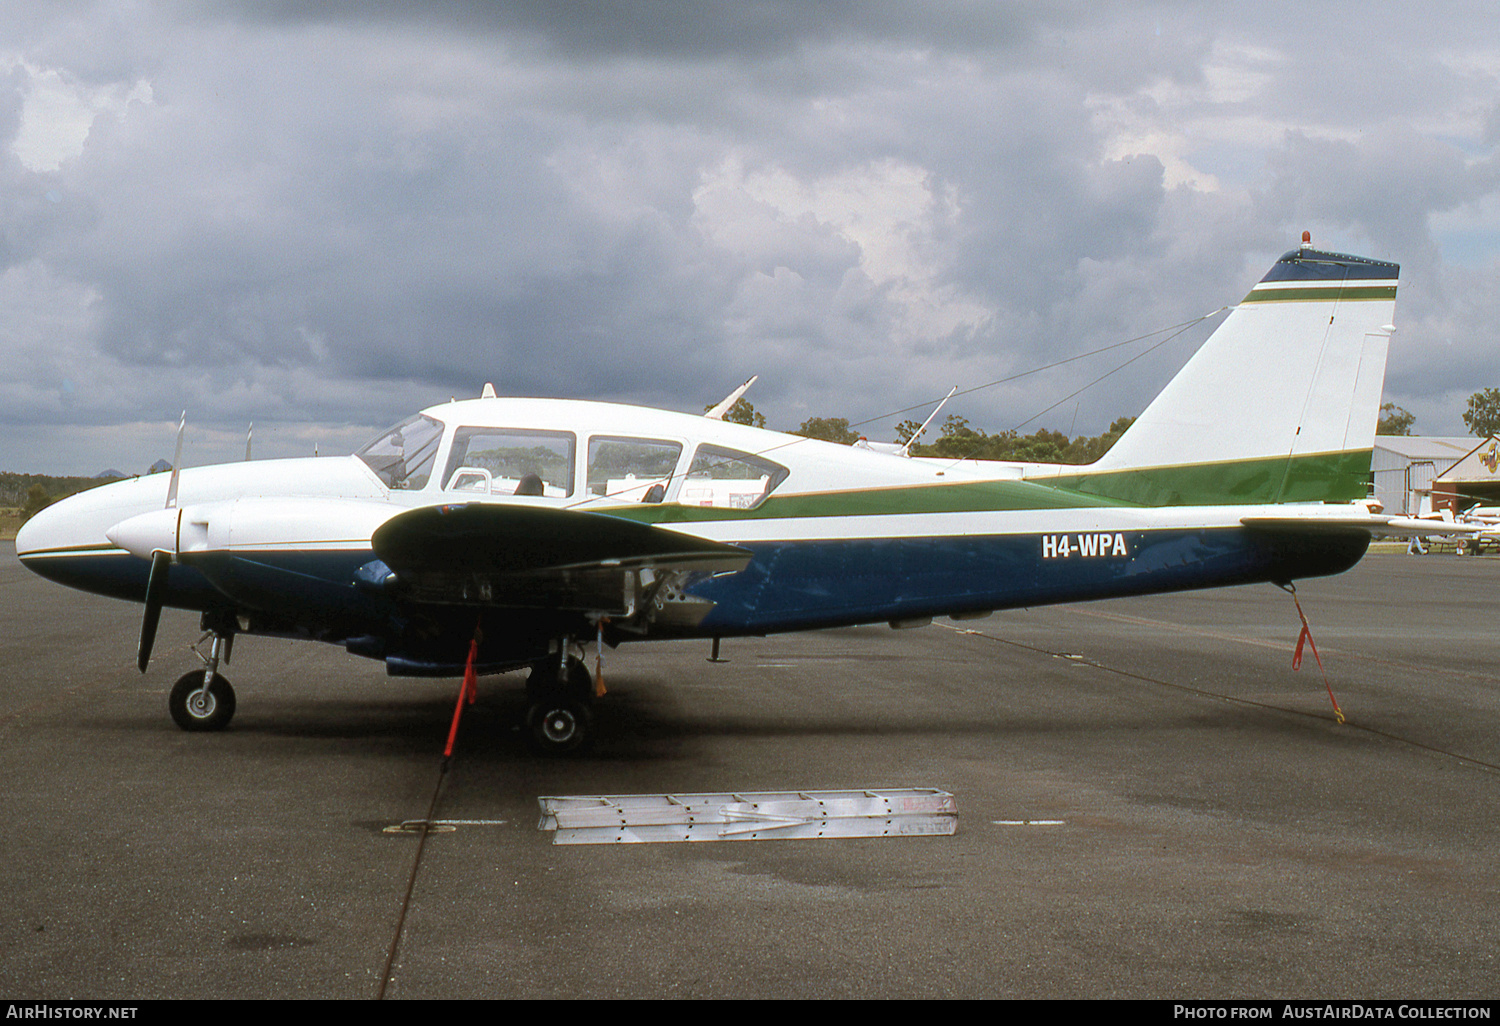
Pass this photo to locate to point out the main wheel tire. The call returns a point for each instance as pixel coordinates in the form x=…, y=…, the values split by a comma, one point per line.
x=558, y=725
x=194, y=709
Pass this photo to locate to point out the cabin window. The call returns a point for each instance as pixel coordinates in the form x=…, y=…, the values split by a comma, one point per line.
x=402, y=456
x=729, y=479
x=632, y=469
x=511, y=461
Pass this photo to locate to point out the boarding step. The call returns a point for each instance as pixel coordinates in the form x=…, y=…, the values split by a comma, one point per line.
x=748, y=816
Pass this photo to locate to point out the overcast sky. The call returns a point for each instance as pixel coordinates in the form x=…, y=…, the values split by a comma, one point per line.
x=322, y=216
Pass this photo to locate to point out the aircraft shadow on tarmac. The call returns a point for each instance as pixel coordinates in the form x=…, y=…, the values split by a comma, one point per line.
x=650, y=721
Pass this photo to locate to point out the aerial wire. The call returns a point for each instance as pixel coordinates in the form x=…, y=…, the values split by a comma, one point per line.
x=1173, y=331
x=1176, y=330
x=1127, y=363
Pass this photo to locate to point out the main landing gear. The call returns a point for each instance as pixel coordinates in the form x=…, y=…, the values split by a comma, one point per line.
x=559, y=697
x=559, y=704
x=201, y=699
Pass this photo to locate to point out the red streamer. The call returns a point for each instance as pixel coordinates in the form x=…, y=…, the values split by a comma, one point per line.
x=1306, y=636
x=470, y=690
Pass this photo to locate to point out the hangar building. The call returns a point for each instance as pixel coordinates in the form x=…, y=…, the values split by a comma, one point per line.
x=1414, y=474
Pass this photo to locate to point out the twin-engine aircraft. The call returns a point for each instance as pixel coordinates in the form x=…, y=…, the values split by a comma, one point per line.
x=499, y=534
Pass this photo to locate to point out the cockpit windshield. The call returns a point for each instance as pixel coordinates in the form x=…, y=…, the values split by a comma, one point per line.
x=402, y=457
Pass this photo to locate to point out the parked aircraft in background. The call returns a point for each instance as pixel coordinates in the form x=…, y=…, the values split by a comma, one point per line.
x=537, y=526
x=1486, y=522
x=1472, y=530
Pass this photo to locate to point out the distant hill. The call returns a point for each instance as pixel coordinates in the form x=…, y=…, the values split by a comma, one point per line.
x=112, y=474
x=159, y=467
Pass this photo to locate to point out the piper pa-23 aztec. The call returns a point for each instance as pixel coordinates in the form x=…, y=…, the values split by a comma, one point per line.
x=539, y=525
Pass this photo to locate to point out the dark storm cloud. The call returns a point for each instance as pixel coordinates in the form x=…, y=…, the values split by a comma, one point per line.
x=677, y=29
x=335, y=212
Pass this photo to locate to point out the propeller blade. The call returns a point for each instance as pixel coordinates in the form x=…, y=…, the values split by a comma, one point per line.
x=156, y=586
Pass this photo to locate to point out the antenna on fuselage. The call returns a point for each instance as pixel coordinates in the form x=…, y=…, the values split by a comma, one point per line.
x=489, y=391
x=176, y=463
x=717, y=413
x=906, y=449
x=249, y=433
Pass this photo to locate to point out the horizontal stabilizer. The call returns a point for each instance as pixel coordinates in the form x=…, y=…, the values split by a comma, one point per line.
x=1396, y=527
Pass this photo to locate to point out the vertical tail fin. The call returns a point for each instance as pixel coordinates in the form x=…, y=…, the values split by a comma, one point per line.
x=1279, y=405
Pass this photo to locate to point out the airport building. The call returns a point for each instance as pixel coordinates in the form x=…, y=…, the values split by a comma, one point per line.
x=1414, y=474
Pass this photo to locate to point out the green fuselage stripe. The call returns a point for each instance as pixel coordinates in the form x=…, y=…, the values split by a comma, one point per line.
x=1319, y=477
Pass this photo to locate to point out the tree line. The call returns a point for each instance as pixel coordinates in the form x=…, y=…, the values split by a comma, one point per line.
x=1482, y=418
x=958, y=439
x=29, y=493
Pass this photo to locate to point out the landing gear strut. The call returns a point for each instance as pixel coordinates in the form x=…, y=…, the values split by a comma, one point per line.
x=201, y=699
x=559, y=704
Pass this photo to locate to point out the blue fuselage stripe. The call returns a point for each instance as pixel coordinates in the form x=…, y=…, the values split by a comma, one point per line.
x=798, y=585
x=793, y=585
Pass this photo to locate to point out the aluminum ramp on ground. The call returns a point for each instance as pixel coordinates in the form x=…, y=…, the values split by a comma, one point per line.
x=748, y=816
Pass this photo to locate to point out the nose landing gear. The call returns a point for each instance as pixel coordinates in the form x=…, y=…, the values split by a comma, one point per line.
x=201, y=699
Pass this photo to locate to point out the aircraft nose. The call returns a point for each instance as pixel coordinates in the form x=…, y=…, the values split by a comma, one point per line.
x=57, y=529
x=146, y=533
x=34, y=534
x=65, y=543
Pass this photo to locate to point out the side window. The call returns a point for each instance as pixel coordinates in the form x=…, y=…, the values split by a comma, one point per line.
x=728, y=478
x=632, y=469
x=511, y=461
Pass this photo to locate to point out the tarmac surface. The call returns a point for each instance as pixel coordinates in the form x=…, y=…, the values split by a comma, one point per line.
x=1221, y=835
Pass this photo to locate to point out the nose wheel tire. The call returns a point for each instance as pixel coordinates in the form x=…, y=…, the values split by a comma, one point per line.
x=195, y=709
